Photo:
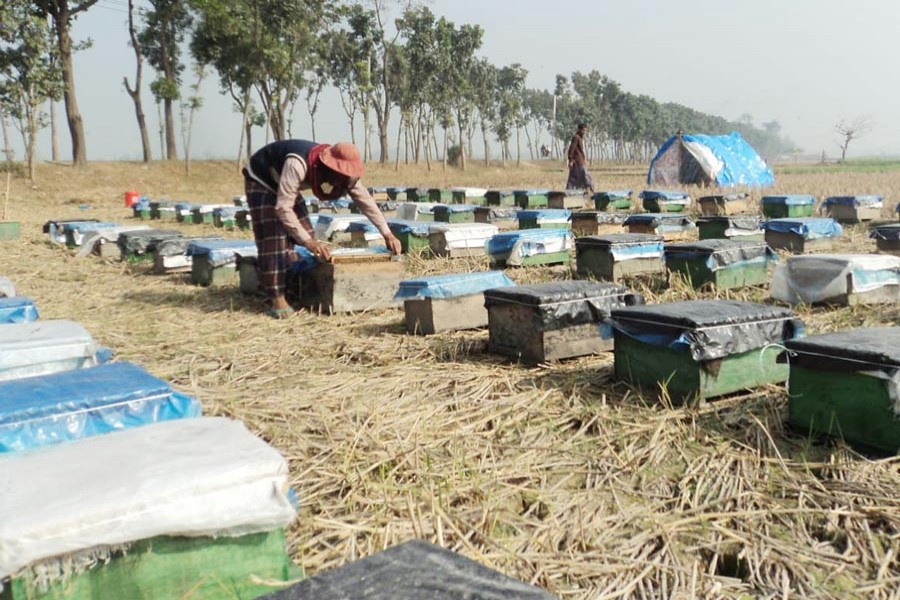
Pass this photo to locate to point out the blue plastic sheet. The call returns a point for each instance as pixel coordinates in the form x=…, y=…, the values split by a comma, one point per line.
x=48, y=409
x=624, y=246
x=17, y=310
x=364, y=226
x=741, y=164
x=853, y=201
x=417, y=228
x=503, y=242
x=544, y=213
x=84, y=226
x=220, y=252
x=449, y=286
x=663, y=195
x=722, y=253
x=790, y=200
x=807, y=227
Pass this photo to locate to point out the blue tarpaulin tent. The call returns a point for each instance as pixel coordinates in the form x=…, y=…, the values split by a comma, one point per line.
x=722, y=160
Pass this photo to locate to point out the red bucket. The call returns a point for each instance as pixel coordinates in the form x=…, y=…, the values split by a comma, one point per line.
x=131, y=198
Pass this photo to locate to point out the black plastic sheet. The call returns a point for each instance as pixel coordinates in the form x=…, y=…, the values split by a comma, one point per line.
x=145, y=240
x=868, y=349
x=615, y=239
x=413, y=570
x=724, y=197
x=709, y=329
x=748, y=223
x=177, y=246
x=721, y=252
x=886, y=232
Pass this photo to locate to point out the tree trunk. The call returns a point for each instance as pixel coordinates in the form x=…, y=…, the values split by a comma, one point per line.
x=61, y=19
x=518, y=146
x=399, y=141
x=245, y=117
x=462, y=146
x=54, y=138
x=444, y=158
x=7, y=149
x=162, y=129
x=136, y=92
x=171, y=145
x=32, y=137
x=487, y=148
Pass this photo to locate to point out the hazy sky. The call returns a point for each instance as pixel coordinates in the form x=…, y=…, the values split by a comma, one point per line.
x=804, y=63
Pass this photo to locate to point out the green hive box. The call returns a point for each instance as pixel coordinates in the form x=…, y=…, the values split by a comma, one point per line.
x=413, y=238
x=464, y=197
x=791, y=206
x=725, y=264
x=730, y=228
x=531, y=199
x=440, y=195
x=500, y=198
x=200, y=568
x=616, y=256
x=701, y=348
x=609, y=201
x=654, y=202
x=242, y=219
x=397, y=194
x=844, y=384
x=10, y=230
x=445, y=214
x=140, y=211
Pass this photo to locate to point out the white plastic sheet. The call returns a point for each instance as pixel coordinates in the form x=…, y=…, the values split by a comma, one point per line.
x=411, y=211
x=328, y=225
x=207, y=476
x=526, y=247
x=464, y=235
x=818, y=277
x=43, y=347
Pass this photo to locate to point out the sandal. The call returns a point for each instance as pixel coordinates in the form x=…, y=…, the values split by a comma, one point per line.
x=280, y=313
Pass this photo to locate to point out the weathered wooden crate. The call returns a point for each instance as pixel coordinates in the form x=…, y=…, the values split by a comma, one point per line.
x=530, y=247
x=853, y=209
x=474, y=196
x=887, y=238
x=454, y=213
x=413, y=235
x=788, y=206
x=548, y=218
x=839, y=279
x=730, y=228
x=566, y=199
x=354, y=280
x=500, y=198
x=448, y=302
x=526, y=199
x=665, y=201
x=616, y=256
x=725, y=205
x=672, y=226
x=140, y=246
x=597, y=222
x=700, y=348
x=458, y=240
x=845, y=384
x=612, y=200
x=214, y=262
x=724, y=264
x=550, y=321
x=803, y=234
x=504, y=217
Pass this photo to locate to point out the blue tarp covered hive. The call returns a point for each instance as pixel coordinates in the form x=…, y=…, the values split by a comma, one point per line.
x=724, y=160
x=807, y=227
x=454, y=284
x=790, y=200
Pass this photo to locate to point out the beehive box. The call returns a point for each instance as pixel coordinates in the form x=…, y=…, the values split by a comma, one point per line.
x=405, y=572
x=7, y=288
x=205, y=213
x=672, y=226
x=530, y=247
x=158, y=207
x=614, y=256
x=788, y=206
x=56, y=230
x=853, y=209
x=413, y=235
x=887, y=238
x=364, y=235
x=214, y=262
x=724, y=264
x=76, y=230
x=335, y=228
x=665, y=201
x=440, y=195
x=845, y=384
x=397, y=194
x=416, y=211
x=548, y=218
x=184, y=212
x=612, y=200
x=141, y=209
x=841, y=279
x=17, y=309
x=700, y=348
x=240, y=201
x=388, y=208
x=356, y=279
x=454, y=213
x=171, y=255
x=596, y=222
x=469, y=196
x=379, y=194
x=226, y=217
x=526, y=199
x=726, y=205
x=566, y=199
x=248, y=273
x=417, y=194
x=500, y=198
x=730, y=228
x=340, y=206
x=45, y=346
x=448, y=302
x=243, y=219
x=458, y=240
x=140, y=245
x=550, y=321
x=504, y=217
x=801, y=235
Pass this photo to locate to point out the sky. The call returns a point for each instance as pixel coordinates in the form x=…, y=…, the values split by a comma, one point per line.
x=807, y=64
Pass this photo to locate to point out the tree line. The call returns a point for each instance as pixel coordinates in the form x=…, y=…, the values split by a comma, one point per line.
x=416, y=77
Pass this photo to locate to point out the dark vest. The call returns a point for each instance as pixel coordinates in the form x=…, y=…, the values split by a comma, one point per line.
x=268, y=161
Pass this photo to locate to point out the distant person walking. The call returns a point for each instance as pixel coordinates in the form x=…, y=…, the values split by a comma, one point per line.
x=273, y=180
x=579, y=178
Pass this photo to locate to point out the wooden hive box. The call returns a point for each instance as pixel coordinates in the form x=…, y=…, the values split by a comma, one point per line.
x=567, y=199
x=598, y=222
x=724, y=264
x=356, y=279
x=612, y=200
x=248, y=273
x=156, y=207
x=726, y=205
x=440, y=195
x=550, y=321
x=45, y=346
x=184, y=212
x=171, y=254
x=665, y=201
x=18, y=309
x=887, y=238
x=448, y=302
x=700, y=348
x=504, y=217
x=526, y=199
x=379, y=194
x=397, y=194
x=413, y=235
x=454, y=213
x=853, y=209
x=140, y=245
x=76, y=230
x=526, y=247
x=214, y=262
x=804, y=234
x=672, y=226
x=335, y=228
x=744, y=227
x=457, y=240
x=788, y=206
x=548, y=218
x=364, y=235
x=226, y=217
x=469, y=196
x=615, y=256
x=500, y=198
x=56, y=230
x=841, y=279
x=845, y=384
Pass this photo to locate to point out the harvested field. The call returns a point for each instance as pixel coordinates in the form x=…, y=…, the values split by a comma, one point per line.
x=553, y=475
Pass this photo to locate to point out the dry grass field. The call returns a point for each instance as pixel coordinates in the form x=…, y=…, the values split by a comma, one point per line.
x=555, y=475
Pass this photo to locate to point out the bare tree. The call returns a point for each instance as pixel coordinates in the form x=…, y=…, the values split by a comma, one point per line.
x=135, y=92
x=850, y=130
